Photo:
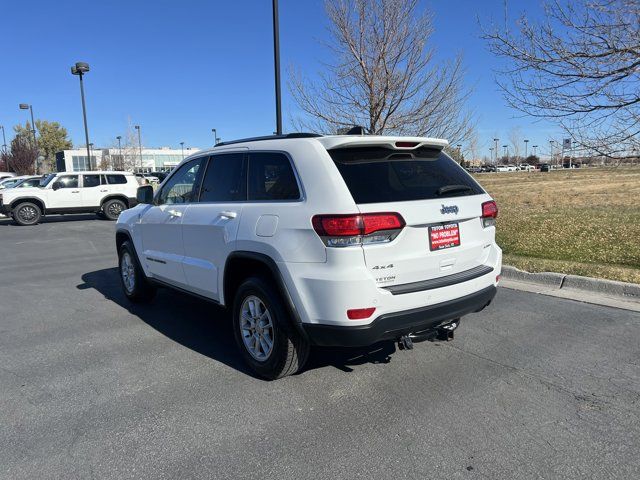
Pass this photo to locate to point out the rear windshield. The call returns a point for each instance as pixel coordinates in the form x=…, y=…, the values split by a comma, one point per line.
x=378, y=174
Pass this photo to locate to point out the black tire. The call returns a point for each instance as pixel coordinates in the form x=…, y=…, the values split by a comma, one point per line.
x=289, y=350
x=26, y=213
x=140, y=290
x=113, y=208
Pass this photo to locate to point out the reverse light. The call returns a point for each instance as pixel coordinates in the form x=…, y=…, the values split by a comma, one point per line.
x=358, y=229
x=360, y=313
x=489, y=213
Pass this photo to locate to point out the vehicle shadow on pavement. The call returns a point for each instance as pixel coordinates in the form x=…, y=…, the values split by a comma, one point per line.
x=206, y=328
x=6, y=221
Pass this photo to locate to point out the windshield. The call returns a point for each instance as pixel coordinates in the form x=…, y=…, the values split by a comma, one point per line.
x=46, y=180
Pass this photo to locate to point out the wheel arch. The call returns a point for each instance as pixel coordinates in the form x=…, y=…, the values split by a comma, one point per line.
x=35, y=200
x=243, y=264
x=115, y=196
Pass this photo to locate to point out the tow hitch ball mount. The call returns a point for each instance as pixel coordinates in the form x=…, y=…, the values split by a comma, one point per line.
x=442, y=333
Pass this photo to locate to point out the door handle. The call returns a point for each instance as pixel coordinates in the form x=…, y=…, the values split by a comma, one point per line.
x=228, y=214
x=75, y=191
x=102, y=191
x=174, y=213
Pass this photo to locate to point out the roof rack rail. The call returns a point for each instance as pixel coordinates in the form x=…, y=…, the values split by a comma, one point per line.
x=270, y=137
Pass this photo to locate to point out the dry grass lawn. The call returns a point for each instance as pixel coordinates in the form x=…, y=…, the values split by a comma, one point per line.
x=583, y=221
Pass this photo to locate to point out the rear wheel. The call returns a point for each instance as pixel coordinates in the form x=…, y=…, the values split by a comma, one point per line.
x=269, y=343
x=134, y=282
x=113, y=208
x=27, y=213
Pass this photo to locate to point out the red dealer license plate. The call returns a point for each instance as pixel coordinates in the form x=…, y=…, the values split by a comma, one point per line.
x=444, y=236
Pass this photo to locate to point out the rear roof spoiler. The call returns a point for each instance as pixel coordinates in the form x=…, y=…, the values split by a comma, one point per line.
x=395, y=143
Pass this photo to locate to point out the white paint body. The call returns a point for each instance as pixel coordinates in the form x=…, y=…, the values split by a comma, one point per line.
x=323, y=282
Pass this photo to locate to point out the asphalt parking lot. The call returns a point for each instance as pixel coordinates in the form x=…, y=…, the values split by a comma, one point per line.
x=93, y=387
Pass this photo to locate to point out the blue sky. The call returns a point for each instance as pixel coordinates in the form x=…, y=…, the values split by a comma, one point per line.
x=180, y=68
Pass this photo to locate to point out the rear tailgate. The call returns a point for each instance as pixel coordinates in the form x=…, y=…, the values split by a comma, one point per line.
x=440, y=203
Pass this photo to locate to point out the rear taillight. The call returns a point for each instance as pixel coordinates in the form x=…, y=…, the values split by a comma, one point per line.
x=489, y=213
x=347, y=230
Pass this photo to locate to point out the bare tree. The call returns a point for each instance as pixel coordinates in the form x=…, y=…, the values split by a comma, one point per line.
x=515, y=137
x=579, y=67
x=22, y=157
x=385, y=76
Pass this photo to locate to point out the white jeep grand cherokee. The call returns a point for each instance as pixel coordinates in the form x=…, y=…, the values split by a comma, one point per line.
x=104, y=193
x=317, y=240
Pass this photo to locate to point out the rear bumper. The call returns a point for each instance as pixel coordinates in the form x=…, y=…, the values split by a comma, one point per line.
x=391, y=326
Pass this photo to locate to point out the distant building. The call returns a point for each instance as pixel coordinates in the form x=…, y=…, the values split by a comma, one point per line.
x=153, y=159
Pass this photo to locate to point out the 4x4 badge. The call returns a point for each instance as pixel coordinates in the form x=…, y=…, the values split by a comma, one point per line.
x=449, y=209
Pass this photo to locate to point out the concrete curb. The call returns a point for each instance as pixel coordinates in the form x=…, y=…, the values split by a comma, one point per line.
x=560, y=281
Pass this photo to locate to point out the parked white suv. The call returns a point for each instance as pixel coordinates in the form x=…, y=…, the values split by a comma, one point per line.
x=317, y=240
x=105, y=193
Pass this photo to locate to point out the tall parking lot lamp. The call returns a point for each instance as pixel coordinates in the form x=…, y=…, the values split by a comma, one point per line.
x=27, y=106
x=121, y=160
x=182, y=147
x=551, y=142
x=137, y=127
x=526, y=143
x=495, y=141
x=216, y=139
x=535, y=147
x=276, y=64
x=79, y=69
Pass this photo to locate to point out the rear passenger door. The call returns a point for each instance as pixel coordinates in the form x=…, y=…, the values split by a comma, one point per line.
x=92, y=190
x=210, y=225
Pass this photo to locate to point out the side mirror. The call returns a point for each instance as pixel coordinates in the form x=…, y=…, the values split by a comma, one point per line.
x=144, y=194
x=56, y=185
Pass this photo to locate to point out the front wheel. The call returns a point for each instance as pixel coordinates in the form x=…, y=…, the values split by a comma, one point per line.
x=134, y=282
x=27, y=213
x=268, y=341
x=113, y=208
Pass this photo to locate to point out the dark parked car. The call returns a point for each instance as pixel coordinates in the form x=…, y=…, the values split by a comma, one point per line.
x=545, y=167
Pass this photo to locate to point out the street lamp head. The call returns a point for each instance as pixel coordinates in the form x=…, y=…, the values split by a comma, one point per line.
x=118, y=137
x=182, y=143
x=24, y=106
x=137, y=127
x=82, y=67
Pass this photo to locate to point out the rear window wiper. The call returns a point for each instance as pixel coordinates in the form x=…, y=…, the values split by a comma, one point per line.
x=453, y=188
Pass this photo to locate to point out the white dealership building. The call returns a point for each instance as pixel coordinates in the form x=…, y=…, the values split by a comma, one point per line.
x=152, y=159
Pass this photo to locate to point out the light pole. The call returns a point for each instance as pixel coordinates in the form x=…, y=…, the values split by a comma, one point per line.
x=27, y=106
x=535, y=147
x=551, y=142
x=496, y=148
x=90, y=155
x=182, y=147
x=79, y=69
x=526, y=144
x=276, y=65
x=459, y=153
x=120, y=160
x=137, y=127
x=506, y=152
x=216, y=140
x=491, y=153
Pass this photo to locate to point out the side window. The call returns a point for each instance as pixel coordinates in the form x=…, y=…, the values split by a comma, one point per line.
x=271, y=177
x=90, y=181
x=116, y=179
x=68, y=181
x=225, y=180
x=180, y=187
x=34, y=182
